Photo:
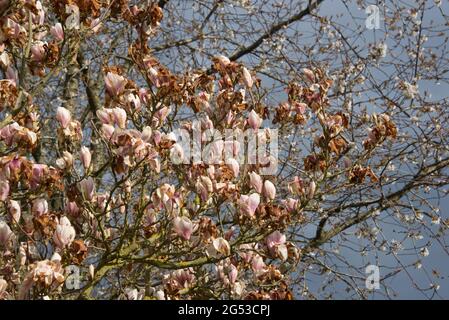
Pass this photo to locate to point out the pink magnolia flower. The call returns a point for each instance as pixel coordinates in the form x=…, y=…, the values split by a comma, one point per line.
x=38, y=51
x=183, y=227
x=183, y=278
x=154, y=77
x=291, y=204
x=115, y=84
x=88, y=188
x=255, y=181
x=14, y=210
x=57, y=32
x=257, y=264
x=45, y=273
x=5, y=233
x=203, y=187
x=234, y=166
x=4, y=190
x=63, y=116
x=86, y=157
x=247, y=78
x=12, y=75
x=108, y=131
x=311, y=189
x=233, y=273
x=39, y=207
x=72, y=209
x=249, y=204
x=64, y=233
x=119, y=117
x=254, y=120
x=276, y=244
x=269, y=190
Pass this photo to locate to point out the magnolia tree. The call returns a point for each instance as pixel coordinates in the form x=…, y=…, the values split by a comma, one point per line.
x=220, y=149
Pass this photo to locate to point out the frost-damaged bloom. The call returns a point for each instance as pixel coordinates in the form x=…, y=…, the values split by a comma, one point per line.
x=115, y=84
x=39, y=207
x=269, y=190
x=63, y=116
x=183, y=227
x=64, y=233
x=276, y=244
x=249, y=204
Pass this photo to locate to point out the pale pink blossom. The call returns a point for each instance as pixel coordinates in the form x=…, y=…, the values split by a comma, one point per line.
x=115, y=84
x=64, y=233
x=14, y=210
x=291, y=204
x=257, y=264
x=5, y=233
x=249, y=204
x=57, y=32
x=119, y=117
x=234, y=166
x=63, y=116
x=276, y=244
x=88, y=188
x=255, y=181
x=38, y=51
x=72, y=209
x=269, y=190
x=39, y=207
x=311, y=189
x=183, y=227
x=247, y=78
x=85, y=157
x=254, y=120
